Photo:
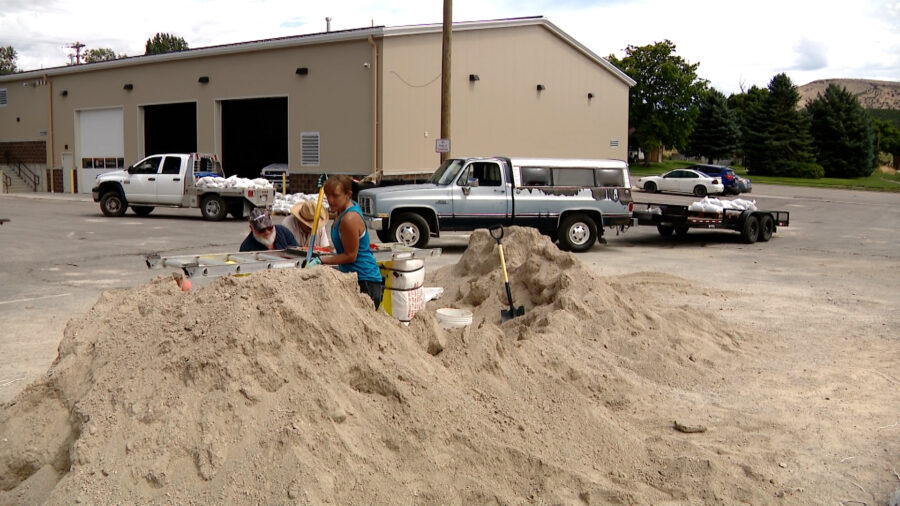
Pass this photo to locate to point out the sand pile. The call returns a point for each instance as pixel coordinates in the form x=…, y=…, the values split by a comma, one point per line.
x=284, y=387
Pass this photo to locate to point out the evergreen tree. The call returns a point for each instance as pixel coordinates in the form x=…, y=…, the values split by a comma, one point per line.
x=8, y=59
x=778, y=141
x=165, y=43
x=744, y=105
x=100, y=54
x=716, y=131
x=887, y=139
x=842, y=133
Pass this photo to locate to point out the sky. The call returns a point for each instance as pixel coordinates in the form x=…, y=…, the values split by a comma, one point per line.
x=737, y=44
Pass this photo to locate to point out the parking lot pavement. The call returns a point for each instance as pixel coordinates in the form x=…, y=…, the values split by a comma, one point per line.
x=59, y=253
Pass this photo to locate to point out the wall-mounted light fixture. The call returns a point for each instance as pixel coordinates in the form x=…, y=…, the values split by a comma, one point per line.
x=203, y=79
x=474, y=77
x=302, y=71
x=64, y=93
x=590, y=95
x=541, y=87
x=128, y=86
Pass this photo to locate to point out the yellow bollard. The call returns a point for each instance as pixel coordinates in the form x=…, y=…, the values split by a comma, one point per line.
x=284, y=183
x=73, y=181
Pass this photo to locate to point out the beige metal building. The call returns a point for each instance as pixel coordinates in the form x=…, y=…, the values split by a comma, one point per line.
x=336, y=102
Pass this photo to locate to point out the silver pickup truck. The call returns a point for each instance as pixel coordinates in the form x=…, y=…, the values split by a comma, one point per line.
x=569, y=200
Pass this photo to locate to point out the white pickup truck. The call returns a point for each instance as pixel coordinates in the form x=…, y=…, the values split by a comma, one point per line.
x=173, y=180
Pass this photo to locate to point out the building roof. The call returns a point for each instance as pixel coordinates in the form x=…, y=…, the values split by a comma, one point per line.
x=319, y=38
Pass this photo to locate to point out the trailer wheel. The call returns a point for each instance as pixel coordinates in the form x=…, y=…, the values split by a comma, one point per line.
x=213, y=208
x=577, y=233
x=700, y=191
x=766, y=228
x=113, y=204
x=665, y=230
x=682, y=230
x=142, y=210
x=410, y=229
x=750, y=231
x=650, y=187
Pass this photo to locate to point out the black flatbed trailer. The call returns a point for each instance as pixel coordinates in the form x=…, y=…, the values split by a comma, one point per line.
x=758, y=225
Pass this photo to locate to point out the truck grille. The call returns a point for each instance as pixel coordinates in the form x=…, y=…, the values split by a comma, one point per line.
x=365, y=203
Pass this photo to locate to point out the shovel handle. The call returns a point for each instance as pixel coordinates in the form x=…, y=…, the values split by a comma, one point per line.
x=495, y=236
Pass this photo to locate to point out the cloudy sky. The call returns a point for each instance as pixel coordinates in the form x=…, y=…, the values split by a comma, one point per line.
x=738, y=44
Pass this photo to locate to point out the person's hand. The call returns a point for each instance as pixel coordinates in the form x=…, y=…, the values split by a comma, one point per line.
x=312, y=263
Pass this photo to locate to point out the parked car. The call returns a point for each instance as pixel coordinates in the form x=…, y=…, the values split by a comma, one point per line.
x=744, y=184
x=730, y=180
x=682, y=181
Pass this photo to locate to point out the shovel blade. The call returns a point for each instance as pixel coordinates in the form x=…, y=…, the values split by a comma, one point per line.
x=512, y=312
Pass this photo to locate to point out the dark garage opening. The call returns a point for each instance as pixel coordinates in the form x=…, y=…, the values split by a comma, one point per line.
x=170, y=128
x=254, y=134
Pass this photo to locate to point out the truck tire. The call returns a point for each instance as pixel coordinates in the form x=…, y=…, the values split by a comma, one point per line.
x=236, y=209
x=650, y=187
x=142, y=210
x=700, y=191
x=766, y=228
x=383, y=235
x=665, y=230
x=213, y=208
x=577, y=233
x=682, y=230
x=750, y=230
x=410, y=229
x=113, y=204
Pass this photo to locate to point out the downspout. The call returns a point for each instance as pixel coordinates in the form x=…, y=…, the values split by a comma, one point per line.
x=50, y=133
x=374, y=104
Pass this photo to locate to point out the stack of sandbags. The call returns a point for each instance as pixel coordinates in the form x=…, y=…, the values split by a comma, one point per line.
x=233, y=182
x=283, y=203
x=714, y=205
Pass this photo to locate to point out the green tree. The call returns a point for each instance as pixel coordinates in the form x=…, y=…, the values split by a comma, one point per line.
x=716, y=132
x=887, y=139
x=744, y=105
x=100, y=54
x=778, y=142
x=165, y=43
x=663, y=102
x=842, y=133
x=8, y=57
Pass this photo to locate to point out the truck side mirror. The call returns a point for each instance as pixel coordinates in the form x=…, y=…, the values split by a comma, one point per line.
x=473, y=182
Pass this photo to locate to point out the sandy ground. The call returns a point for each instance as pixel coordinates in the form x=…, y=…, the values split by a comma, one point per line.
x=250, y=390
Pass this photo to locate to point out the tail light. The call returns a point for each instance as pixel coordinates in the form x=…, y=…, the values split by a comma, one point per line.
x=630, y=207
x=715, y=181
x=729, y=177
x=250, y=193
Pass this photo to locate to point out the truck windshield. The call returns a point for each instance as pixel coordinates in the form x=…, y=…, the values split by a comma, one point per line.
x=446, y=173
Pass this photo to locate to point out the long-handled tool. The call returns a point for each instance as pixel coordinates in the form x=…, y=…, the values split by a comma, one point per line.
x=513, y=311
x=315, y=227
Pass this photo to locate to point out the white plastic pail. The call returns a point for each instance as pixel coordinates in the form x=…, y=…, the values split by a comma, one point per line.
x=449, y=317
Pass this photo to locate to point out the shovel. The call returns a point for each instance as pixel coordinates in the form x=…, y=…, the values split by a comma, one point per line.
x=513, y=311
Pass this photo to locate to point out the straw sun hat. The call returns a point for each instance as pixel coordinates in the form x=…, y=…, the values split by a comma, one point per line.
x=306, y=212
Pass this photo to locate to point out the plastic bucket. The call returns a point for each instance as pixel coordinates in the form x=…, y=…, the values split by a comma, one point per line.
x=450, y=318
x=403, y=280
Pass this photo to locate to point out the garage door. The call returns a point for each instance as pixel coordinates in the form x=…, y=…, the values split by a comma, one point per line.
x=101, y=144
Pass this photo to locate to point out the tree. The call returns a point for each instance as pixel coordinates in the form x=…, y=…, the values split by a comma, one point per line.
x=887, y=139
x=744, y=105
x=165, y=43
x=8, y=59
x=100, y=54
x=663, y=102
x=716, y=132
x=778, y=142
x=842, y=133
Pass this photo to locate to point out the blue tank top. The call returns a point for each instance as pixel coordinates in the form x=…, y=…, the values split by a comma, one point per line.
x=365, y=266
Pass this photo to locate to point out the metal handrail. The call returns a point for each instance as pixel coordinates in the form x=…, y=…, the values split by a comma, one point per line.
x=7, y=182
x=30, y=177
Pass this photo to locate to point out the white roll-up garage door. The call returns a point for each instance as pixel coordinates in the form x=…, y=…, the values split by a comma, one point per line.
x=101, y=144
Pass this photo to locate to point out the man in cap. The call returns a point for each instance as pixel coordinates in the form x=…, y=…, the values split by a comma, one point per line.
x=264, y=235
x=300, y=223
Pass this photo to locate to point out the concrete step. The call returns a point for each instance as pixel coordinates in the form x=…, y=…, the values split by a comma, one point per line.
x=17, y=184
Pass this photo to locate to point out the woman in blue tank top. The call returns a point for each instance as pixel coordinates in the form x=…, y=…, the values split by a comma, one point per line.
x=351, y=239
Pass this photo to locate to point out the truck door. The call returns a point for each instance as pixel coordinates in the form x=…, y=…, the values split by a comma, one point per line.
x=170, y=180
x=140, y=185
x=480, y=196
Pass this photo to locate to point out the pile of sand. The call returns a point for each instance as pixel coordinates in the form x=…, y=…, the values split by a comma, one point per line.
x=285, y=387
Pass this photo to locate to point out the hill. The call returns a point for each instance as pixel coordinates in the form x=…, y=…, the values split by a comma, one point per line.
x=872, y=94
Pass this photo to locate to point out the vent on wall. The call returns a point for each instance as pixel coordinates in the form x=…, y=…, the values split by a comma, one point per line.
x=614, y=143
x=309, y=149
x=2, y=97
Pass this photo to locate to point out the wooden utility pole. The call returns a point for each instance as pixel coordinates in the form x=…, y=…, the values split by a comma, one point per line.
x=445, y=73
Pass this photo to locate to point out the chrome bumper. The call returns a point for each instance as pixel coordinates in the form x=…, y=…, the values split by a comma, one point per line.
x=375, y=224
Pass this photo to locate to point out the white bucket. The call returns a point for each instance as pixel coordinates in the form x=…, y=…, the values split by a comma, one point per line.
x=403, y=280
x=449, y=317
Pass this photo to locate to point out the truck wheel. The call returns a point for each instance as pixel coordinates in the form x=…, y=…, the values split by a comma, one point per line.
x=650, y=187
x=383, y=235
x=142, y=210
x=665, y=230
x=113, y=204
x=410, y=229
x=577, y=233
x=213, y=208
x=682, y=230
x=750, y=231
x=766, y=228
x=236, y=209
x=700, y=191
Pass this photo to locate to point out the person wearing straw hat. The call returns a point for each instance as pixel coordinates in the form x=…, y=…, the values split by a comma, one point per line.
x=300, y=223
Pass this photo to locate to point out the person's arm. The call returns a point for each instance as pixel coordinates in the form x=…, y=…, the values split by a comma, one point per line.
x=349, y=230
x=289, y=237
